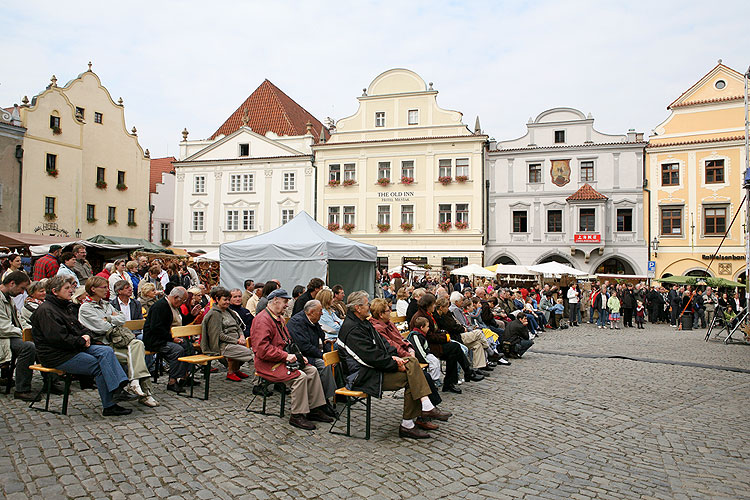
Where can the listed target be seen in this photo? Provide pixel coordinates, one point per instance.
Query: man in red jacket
(268, 337)
(47, 266)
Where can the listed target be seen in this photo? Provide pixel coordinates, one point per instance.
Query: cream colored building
(379, 176)
(83, 171)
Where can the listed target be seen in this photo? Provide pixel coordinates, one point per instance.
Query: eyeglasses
(102, 286)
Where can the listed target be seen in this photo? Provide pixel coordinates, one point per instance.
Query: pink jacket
(267, 340)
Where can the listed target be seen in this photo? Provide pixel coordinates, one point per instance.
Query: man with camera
(278, 359)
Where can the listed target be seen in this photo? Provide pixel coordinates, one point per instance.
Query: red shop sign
(587, 238)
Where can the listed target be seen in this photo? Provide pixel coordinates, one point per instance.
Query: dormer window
(559, 137)
(380, 119)
(244, 149)
(413, 117)
(80, 112)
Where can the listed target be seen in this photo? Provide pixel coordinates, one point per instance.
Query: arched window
(614, 266)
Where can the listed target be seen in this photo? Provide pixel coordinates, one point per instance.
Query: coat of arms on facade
(560, 172)
(725, 269)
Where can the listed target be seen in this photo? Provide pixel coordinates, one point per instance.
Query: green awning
(122, 240)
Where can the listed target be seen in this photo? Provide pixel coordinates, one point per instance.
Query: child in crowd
(640, 313)
(557, 310)
(613, 304)
(418, 339)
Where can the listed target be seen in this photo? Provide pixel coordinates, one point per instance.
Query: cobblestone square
(566, 421)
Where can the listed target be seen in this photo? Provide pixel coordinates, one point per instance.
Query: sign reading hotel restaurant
(395, 195)
(587, 238)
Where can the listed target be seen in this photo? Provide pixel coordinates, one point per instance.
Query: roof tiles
(586, 193)
(159, 166)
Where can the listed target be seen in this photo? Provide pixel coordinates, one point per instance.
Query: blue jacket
(306, 335)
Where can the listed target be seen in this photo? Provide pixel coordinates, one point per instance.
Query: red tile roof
(158, 167)
(586, 192)
(707, 101)
(270, 109)
(696, 141)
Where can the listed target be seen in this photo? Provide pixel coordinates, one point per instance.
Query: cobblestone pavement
(550, 426)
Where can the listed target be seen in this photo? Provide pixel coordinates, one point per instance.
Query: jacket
(306, 335)
(218, 329)
(9, 322)
(268, 337)
(300, 302)
(628, 299)
(613, 304)
(411, 309)
(391, 334)
(365, 354)
(99, 317)
(245, 316)
(420, 345)
(157, 330)
(136, 309)
(83, 271)
(57, 333)
(515, 332)
(436, 338)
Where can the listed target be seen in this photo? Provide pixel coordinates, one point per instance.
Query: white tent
(473, 270)
(556, 269)
(212, 256)
(296, 252)
(508, 269)
(411, 266)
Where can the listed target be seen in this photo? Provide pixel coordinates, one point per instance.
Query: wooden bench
(200, 360)
(352, 398)
(265, 394)
(47, 387)
(135, 324)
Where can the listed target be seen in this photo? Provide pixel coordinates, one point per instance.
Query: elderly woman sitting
(222, 335)
(100, 317)
(37, 293)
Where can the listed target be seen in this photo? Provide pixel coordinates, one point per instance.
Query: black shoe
(299, 420)
(492, 364)
(452, 388)
(116, 410)
(186, 383)
(175, 388)
(319, 415)
(57, 390)
(260, 390)
(120, 395)
(328, 409)
(474, 376)
(26, 396)
(487, 368)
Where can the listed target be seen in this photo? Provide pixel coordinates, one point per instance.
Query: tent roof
(212, 256)
(122, 240)
(556, 268)
(473, 270)
(10, 239)
(302, 238)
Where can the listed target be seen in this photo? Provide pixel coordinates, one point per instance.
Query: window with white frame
(587, 220)
(233, 220)
(535, 173)
(462, 213)
(334, 215)
(407, 214)
(413, 117)
(444, 213)
(287, 214)
(244, 149)
(289, 181)
(334, 172)
(349, 214)
(350, 172)
(248, 220)
(241, 183)
(384, 170)
(520, 221)
(407, 169)
(197, 220)
(164, 231)
(199, 184)
(380, 119)
(624, 220)
(384, 214)
(587, 171)
(445, 168)
(462, 167)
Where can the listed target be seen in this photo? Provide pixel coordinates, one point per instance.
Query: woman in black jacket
(63, 343)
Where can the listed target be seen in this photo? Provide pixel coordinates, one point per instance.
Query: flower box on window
(333, 226)
(101, 184)
(462, 225)
(166, 243)
(122, 187)
(405, 226)
(333, 183)
(444, 226)
(445, 180)
(384, 227)
(407, 180)
(349, 182)
(462, 178)
(56, 130)
(53, 173)
(112, 222)
(384, 181)
(91, 219)
(349, 227)
(50, 216)
(132, 224)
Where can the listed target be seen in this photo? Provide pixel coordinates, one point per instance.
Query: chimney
(632, 135)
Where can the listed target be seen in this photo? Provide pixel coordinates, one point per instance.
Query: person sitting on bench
(157, 336)
(517, 334)
(222, 335)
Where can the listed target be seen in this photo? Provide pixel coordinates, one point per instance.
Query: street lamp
(78, 233)
(655, 245)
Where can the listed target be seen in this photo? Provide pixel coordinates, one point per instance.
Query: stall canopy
(16, 240)
(212, 256)
(473, 270)
(296, 252)
(122, 240)
(556, 269)
(510, 269)
(410, 266)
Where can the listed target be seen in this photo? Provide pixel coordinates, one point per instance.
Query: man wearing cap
(269, 336)
(47, 266)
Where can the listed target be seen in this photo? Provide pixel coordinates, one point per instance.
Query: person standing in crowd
(613, 304)
(313, 287)
(640, 312)
(709, 303)
(131, 268)
(223, 334)
(249, 288)
(573, 298)
(82, 267)
(655, 304)
(67, 263)
(47, 266)
(627, 302)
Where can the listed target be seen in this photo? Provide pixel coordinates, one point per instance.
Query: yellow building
(694, 166)
(83, 172)
(405, 175)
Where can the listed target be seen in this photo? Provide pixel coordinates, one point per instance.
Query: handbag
(119, 337)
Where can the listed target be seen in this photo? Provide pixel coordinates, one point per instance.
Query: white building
(251, 176)
(161, 193)
(567, 193)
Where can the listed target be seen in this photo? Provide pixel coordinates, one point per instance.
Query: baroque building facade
(11, 168)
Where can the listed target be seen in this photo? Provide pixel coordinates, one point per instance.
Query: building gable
(711, 89)
(258, 146)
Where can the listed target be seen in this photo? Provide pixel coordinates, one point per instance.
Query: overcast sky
(192, 63)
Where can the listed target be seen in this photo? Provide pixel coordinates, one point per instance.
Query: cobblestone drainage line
(646, 360)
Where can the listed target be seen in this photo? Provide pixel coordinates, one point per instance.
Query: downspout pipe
(19, 158)
(648, 206)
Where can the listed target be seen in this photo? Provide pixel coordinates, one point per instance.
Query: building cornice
(572, 147)
(385, 142)
(242, 161)
(697, 142)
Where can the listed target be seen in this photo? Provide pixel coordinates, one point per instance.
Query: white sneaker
(134, 387)
(532, 336)
(149, 401)
(503, 361)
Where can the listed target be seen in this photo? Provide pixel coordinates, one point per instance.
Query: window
(54, 122)
(444, 168)
(350, 171)
(413, 117)
(559, 136)
(715, 221)
(120, 177)
(289, 181)
(671, 221)
(720, 84)
(520, 221)
(98, 119)
(349, 215)
(198, 220)
(233, 220)
(241, 183)
(164, 231)
(535, 172)
(90, 212)
(199, 184)
(334, 173)
(111, 215)
(444, 213)
(49, 205)
(670, 174)
(407, 169)
(554, 221)
(287, 214)
(587, 171)
(384, 170)
(248, 220)
(131, 216)
(407, 214)
(244, 149)
(384, 214)
(51, 164)
(99, 174)
(334, 215)
(714, 171)
(80, 112)
(587, 220)
(462, 167)
(380, 119)
(624, 219)
(462, 213)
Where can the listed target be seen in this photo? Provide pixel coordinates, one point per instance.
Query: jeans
(25, 353)
(171, 351)
(573, 312)
(602, 320)
(100, 362)
(522, 346)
